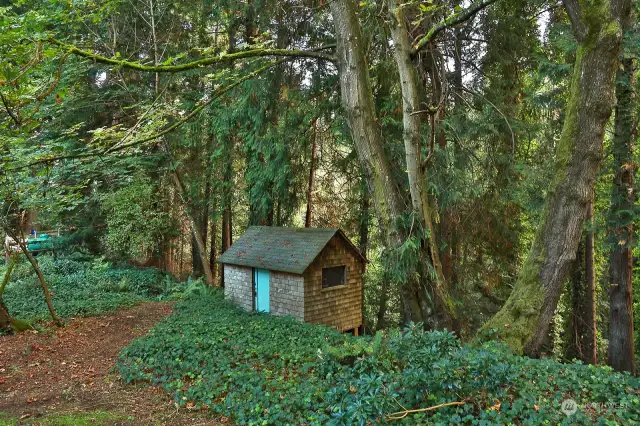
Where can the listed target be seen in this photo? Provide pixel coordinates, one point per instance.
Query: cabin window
(334, 276)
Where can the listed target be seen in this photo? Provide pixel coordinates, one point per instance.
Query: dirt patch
(71, 370)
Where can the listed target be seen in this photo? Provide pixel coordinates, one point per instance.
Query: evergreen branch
(215, 95)
(450, 21)
(506, 120)
(198, 109)
(200, 63)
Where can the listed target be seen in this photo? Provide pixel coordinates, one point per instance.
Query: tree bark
(589, 340)
(358, 104)
(213, 264)
(524, 320)
(195, 228)
(363, 230)
(365, 219)
(6, 321)
(382, 303)
(227, 184)
(201, 216)
(621, 230)
(5, 318)
(197, 268)
(357, 101)
(41, 280)
(581, 337)
(412, 124)
(312, 172)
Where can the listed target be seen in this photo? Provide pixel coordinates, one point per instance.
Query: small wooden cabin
(312, 274)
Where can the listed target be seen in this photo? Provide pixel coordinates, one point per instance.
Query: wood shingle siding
(339, 307)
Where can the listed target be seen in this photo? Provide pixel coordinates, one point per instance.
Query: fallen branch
(402, 414)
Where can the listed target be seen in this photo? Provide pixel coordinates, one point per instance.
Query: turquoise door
(261, 283)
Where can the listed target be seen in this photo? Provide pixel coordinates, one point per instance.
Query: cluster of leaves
(259, 369)
(82, 288)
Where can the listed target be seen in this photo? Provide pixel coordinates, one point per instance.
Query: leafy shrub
(260, 369)
(416, 370)
(135, 222)
(81, 288)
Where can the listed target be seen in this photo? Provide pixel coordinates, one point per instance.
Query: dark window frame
(342, 283)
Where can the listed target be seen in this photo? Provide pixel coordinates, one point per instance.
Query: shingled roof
(281, 249)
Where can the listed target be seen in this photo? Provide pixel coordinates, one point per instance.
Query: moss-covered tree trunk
(621, 232)
(5, 319)
(524, 319)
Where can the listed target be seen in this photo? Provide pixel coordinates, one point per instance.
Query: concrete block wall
(286, 295)
(237, 285)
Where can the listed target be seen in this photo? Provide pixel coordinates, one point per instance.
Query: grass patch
(69, 419)
(259, 369)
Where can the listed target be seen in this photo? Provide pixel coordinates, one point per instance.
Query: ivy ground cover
(82, 287)
(258, 369)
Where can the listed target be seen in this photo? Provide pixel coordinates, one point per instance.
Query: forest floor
(67, 375)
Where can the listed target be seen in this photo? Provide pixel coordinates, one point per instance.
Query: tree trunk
(197, 269)
(589, 340)
(213, 264)
(227, 183)
(365, 219)
(199, 200)
(621, 338)
(5, 319)
(412, 124)
(524, 319)
(312, 172)
(363, 230)
(581, 343)
(357, 101)
(382, 303)
(19, 238)
(195, 228)
(43, 283)
(358, 104)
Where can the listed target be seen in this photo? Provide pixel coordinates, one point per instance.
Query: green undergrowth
(71, 419)
(82, 287)
(259, 369)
